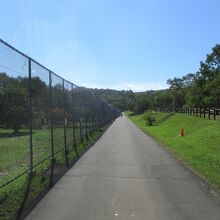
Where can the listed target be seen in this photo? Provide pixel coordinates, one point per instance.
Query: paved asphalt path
(127, 175)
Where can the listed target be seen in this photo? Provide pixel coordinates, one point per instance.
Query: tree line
(120, 99)
(200, 89)
(15, 103)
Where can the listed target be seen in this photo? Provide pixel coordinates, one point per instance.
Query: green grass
(199, 148)
(15, 150)
(14, 159)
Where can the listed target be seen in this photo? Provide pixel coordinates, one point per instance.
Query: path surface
(126, 175)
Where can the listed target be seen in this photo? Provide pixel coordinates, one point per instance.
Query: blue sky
(118, 44)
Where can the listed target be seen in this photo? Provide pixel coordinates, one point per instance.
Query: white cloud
(134, 86)
(139, 87)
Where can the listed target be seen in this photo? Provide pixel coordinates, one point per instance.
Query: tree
(120, 99)
(163, 100)
(209, 78)
(142, 103)
(13, 103)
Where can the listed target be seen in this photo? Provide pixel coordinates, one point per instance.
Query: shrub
(150, 119)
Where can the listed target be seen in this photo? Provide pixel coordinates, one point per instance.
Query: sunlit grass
(199, 148)
(15, 158)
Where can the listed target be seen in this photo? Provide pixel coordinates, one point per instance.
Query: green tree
(13, 103)
(163, 100)
(142, 103)
(209, 78)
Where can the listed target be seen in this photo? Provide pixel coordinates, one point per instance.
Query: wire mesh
(14, 132)
(45, 124)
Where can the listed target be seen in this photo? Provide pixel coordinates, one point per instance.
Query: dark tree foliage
(142, 102)
(13, 103)
(122, 100)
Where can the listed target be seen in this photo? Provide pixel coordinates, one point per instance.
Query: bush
(150, 119)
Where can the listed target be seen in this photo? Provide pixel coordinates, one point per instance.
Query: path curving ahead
(127, 175)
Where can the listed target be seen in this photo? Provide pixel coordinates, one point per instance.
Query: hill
(129, 100)
(199, 148)
(120, 99)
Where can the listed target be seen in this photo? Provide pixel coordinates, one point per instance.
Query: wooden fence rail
(202, 112)
(210, 113)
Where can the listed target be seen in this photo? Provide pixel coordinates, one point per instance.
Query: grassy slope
(199, 148)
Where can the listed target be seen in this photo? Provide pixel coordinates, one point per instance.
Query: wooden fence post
(214, 113)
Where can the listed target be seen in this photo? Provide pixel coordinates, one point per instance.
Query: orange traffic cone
(182, 132)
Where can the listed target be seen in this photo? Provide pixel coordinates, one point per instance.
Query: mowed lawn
(200, 146)
(15, 158)
(15, 151)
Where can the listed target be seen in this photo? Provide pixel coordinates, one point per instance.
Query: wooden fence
(210, 113)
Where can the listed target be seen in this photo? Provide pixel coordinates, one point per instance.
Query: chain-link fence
(46, 123)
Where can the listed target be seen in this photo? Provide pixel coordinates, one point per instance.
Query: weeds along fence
(201, 112)
(46, 122)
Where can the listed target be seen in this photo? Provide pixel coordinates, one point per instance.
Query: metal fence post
(65, 124)
(30, 174)
(86, 116)
(51, 130)
(80, 118)
(73, 119)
